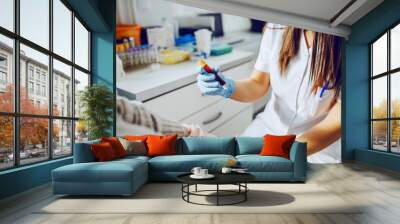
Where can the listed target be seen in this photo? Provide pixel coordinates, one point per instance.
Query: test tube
(126, 44)
(135, 56)
(205, 66)
(145, 54)
(130, 57)
(131, 42)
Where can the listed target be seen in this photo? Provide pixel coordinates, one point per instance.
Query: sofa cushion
(113, 171)
(103, 152)
(136, 137)
(249, 145)
(206, 145)
(185, 163)
(116, 145)
(134, 147)
(277, 145)
(159, 145)
(257, 163)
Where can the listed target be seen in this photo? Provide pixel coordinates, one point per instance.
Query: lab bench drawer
(235, 126)
(181, 103)
(215, 115)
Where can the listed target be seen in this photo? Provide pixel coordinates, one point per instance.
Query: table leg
(245, 193)
(188, 190)
(217, 194)
(182, 190)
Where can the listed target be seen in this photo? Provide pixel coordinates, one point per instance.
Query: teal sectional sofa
(125, 176)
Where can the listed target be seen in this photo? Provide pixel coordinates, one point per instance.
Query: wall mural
(260, 78)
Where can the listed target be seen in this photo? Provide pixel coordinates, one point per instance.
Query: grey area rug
(166, 198)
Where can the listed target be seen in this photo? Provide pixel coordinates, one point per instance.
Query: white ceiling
(321, 9)
(328, 16)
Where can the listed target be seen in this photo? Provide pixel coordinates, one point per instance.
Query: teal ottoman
(118, 177)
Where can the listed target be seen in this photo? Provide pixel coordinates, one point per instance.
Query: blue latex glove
(209, 86)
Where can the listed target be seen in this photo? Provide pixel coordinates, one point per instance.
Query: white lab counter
(144, 84)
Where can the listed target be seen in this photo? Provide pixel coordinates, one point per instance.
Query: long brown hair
(325, 58)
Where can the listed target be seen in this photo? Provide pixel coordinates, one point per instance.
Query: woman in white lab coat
(302, 69)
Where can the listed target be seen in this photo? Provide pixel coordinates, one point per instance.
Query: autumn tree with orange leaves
(33, 131)
(380, 127)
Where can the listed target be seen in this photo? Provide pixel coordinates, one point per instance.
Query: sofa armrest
(83, 152)
(298, 155)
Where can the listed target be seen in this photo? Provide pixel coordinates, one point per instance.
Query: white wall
(151, 12)
(234, 23)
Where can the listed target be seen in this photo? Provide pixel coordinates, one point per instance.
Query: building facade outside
(34, 82)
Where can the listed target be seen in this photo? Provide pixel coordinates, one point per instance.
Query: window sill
(382, 159)
(30, 166)
(382, 152)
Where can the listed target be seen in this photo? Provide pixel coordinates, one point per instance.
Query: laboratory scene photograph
(199, 111)
(262, 79)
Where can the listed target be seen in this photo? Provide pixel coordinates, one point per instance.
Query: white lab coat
(292, 108)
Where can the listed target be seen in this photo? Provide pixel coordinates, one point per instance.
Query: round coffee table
(238, 179)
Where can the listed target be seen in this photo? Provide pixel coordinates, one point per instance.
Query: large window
(44, 64)
(385, 91)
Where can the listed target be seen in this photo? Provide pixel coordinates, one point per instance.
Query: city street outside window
(45, 131)
(385, 92)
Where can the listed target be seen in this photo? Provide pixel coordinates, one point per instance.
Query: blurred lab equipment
(203, 41)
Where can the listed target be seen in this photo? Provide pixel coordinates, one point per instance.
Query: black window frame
(388, 74)
(16, 115)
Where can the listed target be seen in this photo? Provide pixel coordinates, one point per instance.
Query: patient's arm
(134, 118)
(325, 132)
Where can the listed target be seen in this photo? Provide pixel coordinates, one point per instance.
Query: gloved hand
(209, 86)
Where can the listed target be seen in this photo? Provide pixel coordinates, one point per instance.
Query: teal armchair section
(83, 152)
(298, 155)
(272, 168)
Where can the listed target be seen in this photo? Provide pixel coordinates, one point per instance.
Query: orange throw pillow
(161, 145)
(116, 145)
(136, 137)
(103, 152)
(277, 145)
